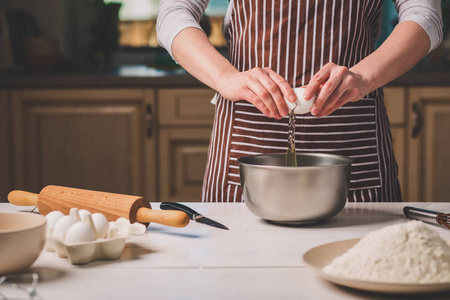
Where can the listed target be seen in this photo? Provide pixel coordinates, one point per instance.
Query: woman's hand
(260, 86)
(334, 85)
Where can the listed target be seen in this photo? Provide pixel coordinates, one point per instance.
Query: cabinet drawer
(185, 106)
(182, 159)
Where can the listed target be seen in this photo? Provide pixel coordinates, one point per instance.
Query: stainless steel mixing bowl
(315, 190)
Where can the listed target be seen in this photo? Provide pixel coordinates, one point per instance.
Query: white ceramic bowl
(22, 237)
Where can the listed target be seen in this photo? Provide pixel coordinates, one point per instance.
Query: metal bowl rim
(345, 158)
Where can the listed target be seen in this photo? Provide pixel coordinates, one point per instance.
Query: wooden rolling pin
(113, 206)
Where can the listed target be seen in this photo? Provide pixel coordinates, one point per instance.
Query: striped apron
(296, 38)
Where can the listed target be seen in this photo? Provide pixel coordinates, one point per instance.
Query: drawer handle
(149, 121)
(416, 119)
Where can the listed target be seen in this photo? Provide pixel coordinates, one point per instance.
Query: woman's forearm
(193, 51)
(403, 49)
(336, 85)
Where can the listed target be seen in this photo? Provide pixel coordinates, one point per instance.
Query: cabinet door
(185, 119)
(183, 154)
(429, 144)
(91, 139)
(394, 100)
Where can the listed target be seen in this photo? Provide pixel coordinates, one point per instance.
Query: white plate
(319, 257)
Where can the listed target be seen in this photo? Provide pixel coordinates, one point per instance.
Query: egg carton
(83, 237)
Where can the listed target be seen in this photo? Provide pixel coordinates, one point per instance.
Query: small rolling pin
(113, 206)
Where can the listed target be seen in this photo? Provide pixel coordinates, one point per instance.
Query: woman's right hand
(262, 87)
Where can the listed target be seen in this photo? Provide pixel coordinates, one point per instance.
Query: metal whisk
(428, 216)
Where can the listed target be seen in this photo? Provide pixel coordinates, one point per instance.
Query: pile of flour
(401, 253)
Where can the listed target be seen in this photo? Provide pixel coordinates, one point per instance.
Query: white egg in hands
(301, 106)
(80, 232)
(61, 227)
(52, 218)
(101, 225)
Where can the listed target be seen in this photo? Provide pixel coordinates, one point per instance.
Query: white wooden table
(253, 260)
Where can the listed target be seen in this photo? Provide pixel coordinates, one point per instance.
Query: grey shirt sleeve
(426, 13)
(174, 16)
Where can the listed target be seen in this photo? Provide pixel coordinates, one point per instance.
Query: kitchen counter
(140, 76)
(253, 260)
(133, 76)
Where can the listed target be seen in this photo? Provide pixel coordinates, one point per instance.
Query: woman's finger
(332, 99)
(317, 81)
(345, 98)
(250, 96)
(275, 91)
(336, 77)
(331, 106)
(283, 85)
(265, 96)
(351, 94)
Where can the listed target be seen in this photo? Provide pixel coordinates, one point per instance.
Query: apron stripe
(332, 31)
(255, 46)
(305, 42)
(228, 114)
(296, 55)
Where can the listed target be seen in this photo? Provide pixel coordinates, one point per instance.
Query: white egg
(122, 222)
(61, 227)
(82, 213)
(137, 229)
(52, 219)
(101, 225)
(301, 106)
(80, 232)
(74, 214)
(121, 227)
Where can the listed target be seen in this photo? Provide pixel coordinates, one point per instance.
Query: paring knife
(193, 215)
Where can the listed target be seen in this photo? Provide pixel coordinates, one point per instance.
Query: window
(138, 22)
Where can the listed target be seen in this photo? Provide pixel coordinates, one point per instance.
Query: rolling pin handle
(167, 217)
(22, 198)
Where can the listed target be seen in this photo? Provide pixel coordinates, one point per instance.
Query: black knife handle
(178, 206)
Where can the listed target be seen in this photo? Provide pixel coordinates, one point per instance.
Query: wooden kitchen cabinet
(131, 141)
(429, 144)
(92, 139)
(185, 118)
(154, 142)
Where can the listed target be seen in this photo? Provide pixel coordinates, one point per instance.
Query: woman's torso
(296, 39)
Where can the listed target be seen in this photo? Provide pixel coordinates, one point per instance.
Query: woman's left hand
(334, 86)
